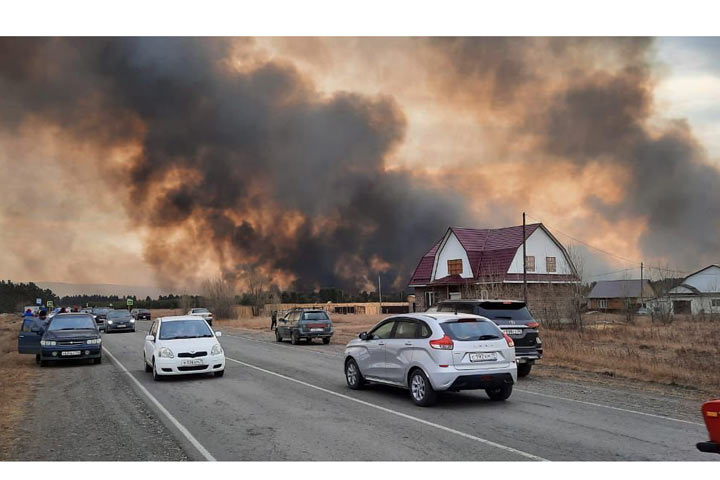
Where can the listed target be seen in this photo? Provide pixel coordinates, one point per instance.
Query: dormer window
(455, 267)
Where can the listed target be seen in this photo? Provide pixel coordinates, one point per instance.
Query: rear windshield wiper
(488, 337)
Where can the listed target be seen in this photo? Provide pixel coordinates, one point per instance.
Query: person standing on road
(273, 320)
(28, 313)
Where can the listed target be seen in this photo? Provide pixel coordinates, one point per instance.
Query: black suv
(513, 318)
(308, 324)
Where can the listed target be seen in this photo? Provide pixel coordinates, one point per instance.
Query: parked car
(711, 415)
(100, 316)
(140, 314)
(70, 336)
(513, 318)
(119, 320)
(202, 312)
(183, 345)
(300, 324)
(428, 353)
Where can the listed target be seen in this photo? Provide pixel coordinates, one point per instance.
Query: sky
(318, 162)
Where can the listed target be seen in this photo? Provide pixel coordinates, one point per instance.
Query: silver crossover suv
(431, 352)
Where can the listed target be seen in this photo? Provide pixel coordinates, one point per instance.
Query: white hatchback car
(432, 352)
(183, 345)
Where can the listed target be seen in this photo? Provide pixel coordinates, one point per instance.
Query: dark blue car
(67, 336)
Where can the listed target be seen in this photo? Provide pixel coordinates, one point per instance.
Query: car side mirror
(149, 338)
(364, 336)
(218, 334)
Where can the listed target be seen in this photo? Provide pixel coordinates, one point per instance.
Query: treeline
(14, 296)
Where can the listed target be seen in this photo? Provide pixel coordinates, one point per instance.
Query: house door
(681, 306)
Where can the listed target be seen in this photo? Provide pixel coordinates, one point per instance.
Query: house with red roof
(488, 263)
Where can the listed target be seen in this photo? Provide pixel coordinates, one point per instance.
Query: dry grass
(684, 353)
(18, 373)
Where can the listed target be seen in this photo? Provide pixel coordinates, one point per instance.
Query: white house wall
(706, 281)
(540, 245)
(451, 250)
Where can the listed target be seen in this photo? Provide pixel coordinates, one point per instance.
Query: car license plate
(513, 331)
(70, 353)
(316, 329)
(192, 362)
(483, 357)
(121, 326)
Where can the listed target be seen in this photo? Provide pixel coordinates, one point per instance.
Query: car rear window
(504, 311)
(315, 316)
(468, 329)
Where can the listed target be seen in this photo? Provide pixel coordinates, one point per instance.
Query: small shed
(620, 295)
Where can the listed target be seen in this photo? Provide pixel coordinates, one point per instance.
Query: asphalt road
(285, 402)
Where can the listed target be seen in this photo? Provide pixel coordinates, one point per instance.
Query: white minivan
(183, 345)
(431, 352)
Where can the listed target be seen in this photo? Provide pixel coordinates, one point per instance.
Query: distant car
(140, 313)
(300, 324)
(202, 312)
(100, 315)
(183, 345)
(70, 336)
(119, 320)
(431, 352)
(513, 318)
(711, 415)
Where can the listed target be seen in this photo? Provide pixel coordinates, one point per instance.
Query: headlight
(165, 353)
(216, 349)
(132, 320)
(48, 343)
(109, 322)
(94, 341)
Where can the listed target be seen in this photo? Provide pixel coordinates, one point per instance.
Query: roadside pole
(524, 264)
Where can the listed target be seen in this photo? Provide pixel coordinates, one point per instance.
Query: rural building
(620, 295)
(698, 293)
(488, 263)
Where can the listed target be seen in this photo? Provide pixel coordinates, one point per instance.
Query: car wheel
(37, 359)
(294, 339)
(220, 373)
(278, 337)
(421, 392)
(97, 361)
(156, 376)
(43, 363)
(309, 340)
(148, 368)
(353, 376)
(498, 394)
(523, 369)
(326, 340)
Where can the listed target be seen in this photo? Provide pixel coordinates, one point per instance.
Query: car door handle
(381, 343)
(408, 343)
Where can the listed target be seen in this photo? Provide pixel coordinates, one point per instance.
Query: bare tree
(219, 294)
(257, 282)
(661, 309)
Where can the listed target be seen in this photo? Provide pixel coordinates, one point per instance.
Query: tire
(278, 337)
(523, 369)
(148, 368)
(326, 340)
(155, 374)
(353, 376)
(220, 373)
(421, 392)
(37, 358)
(294, 339)
(43, 363)
(309, 340)
(499, 394)
(97, 361)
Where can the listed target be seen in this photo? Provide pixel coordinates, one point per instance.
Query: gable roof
(490, 251)
(621, 289)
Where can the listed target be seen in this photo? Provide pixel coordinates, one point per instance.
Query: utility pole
(641, 284)
(380, 293)
(524, 264)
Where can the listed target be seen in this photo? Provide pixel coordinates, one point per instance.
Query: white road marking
(394, 412)
(610, 407)
(186, 433)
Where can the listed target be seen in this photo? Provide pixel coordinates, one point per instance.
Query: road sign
(129, 302)
(38, 301)
(50, 303)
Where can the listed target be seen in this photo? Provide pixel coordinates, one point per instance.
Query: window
(530, 263)
(425, 331)
(383, 331)
(455, 267)
(429, 299)
(716, 302)
(549, 264)
(603, 303)
(405, 329)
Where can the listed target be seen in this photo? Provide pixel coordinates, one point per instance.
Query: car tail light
(509, 340)
(445, 343)
(533, 325)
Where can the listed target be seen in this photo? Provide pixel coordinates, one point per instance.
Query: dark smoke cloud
(222, 146)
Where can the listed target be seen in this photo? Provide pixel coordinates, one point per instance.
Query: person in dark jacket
(28, 313)
(273, 320)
